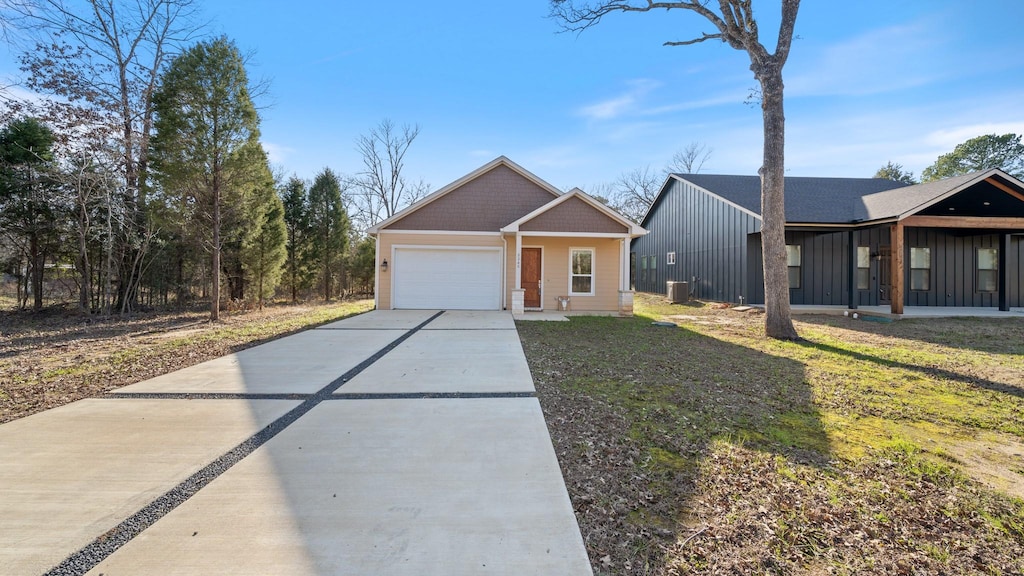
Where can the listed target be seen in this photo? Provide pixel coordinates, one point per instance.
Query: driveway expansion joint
(92, 554)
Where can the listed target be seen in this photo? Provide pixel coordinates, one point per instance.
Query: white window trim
(670, 259)
(593, 270)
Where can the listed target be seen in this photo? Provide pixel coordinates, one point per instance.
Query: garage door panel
(448, 279)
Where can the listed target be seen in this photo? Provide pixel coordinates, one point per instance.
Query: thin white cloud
(876, 62)
(948, 138)
(276, 153)
(620, 105)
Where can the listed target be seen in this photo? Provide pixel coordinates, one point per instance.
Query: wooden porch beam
(896, 239)
(1005, 188)
(963, 222)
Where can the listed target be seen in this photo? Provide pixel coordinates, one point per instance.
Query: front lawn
(869, 448)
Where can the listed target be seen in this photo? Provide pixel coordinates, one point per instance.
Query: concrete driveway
(395, 442)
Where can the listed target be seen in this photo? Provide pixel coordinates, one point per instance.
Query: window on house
(654, 262)
(793, 261)
(863, 267)
(988, 270)
(920, 268)
(643, 262)
(670, 259)
(581, 272)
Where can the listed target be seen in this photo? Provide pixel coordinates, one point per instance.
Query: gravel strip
(88, 557)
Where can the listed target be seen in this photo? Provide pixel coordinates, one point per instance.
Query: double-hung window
(988, 270)
(863, 267)
(581, 272)
(920, 269)
(793, 262)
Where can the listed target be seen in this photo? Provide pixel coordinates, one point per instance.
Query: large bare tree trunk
(778, 323)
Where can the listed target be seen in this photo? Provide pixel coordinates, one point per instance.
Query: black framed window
(863, 267)
(988, 270)
(920, 269)
(793, 261)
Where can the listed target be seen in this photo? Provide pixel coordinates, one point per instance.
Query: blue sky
(867, 82)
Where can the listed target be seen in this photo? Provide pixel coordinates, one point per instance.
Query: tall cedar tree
(206, 147)
(736, 26)
(26, 194)
(263, 252)
(328, 224)
(297, 243)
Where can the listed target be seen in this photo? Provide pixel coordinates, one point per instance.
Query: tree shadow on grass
(931, 371)
(994, 335)
(637, 410)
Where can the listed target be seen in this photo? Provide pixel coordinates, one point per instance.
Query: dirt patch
(997, 460)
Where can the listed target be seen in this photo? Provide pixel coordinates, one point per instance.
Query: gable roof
(861, 200)
(910, 200)
(575, 211)
(479, 201)
(808, 199)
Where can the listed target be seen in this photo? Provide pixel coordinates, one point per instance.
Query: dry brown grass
(708, 449)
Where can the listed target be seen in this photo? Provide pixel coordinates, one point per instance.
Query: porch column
(1004, 281)
(624, 266)
(625, 294)
(851, 272)
(896, 233)
(518, 294)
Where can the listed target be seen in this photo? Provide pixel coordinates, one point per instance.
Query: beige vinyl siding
(389, 239)
(555, 271)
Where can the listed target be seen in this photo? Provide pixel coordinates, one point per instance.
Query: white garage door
(447, 279)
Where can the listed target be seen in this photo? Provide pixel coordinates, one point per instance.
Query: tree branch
(703, 38)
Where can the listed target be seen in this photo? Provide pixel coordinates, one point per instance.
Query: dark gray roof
(808, 199)
(893, 203)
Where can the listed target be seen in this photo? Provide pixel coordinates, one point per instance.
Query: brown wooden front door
(530, 280)
(885, 275)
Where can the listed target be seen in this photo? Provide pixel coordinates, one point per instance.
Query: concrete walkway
(395, 442)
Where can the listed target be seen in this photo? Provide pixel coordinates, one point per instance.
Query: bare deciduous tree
(689, 160)
(735, 25)
(106, 56)
(633, 192)
(381, 189)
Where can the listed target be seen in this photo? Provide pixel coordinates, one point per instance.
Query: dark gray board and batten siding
(708, 236)
(825, 269)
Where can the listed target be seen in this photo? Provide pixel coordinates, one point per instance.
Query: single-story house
(501, 238)
(850, 241)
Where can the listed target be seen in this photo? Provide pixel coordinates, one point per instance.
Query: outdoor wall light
(384, 265)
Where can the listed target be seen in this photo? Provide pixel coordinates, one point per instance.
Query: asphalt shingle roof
(814, 200)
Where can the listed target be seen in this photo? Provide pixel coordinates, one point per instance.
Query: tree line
(139, 178)
(1004, 151)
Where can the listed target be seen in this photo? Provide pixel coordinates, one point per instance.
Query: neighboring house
(501, 238)
(850, 241)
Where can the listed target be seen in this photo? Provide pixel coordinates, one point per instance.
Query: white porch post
(518, 294)
(625, 294)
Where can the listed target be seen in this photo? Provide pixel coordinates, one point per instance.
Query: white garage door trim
(446, 277)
